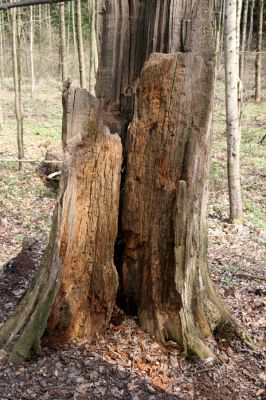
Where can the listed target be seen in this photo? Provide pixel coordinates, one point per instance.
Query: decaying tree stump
(77, 273)
(164, 272)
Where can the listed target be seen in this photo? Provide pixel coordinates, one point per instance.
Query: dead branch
(251, 276)
(6, 160)
(26, 3)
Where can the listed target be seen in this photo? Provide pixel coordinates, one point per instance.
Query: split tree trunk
(258, 54)
(162, 263)
(78, 265)
(232, 109)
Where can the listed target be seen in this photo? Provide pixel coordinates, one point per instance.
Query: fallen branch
(251, 276)
(25, 3)
(262, 140)
(54, 175)
(6, 160)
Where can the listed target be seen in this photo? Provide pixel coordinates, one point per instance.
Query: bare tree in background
(17, 80)
(243, 39)
(31, 51)
(251, 24)
(93, 52)
(80, 45)
(231, 41)
(258, 54)
(62, 41)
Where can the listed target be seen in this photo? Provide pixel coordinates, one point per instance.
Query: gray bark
(258, 54)
(231, 41)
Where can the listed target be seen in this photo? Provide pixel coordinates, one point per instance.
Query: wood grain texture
(88, 280)
(130, 30)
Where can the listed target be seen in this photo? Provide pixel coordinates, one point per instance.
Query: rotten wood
(77, 276)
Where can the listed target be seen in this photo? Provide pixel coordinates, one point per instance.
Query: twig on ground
(251, 276)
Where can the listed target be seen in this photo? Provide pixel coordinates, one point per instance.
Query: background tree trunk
(62, 41)
(93, 51)
(17, 83)
(251, 24)
(79, 256)
(31, 51)
(80, 45)
(258, 54)
(243, 39)
(232, 110)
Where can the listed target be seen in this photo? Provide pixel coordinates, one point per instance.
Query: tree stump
(77, 277)
(164, 271)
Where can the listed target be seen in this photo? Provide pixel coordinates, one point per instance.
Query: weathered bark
(165, 276)
(243, 39)
(232, 90)
(78, 265)
(17, 82)
(82, 78)
(62, 26)
(258, 54)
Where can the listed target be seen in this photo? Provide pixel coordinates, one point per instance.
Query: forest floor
(127, 363)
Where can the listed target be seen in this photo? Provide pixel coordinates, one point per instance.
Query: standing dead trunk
(243, 39)
(167, 104)
(258, 54)
(164, 213)
(80, 45)
(232, 110)
(62, 41)
(17, 82)
(78, 264)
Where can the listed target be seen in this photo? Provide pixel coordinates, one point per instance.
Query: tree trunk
(218, 30)
(63, 41)
(93, 51)
(31, 52)
(258, 54)
(2, 74)
(243, 39)
(80, 45)
(162, 263)
(17, 83)
(40, 27)
(165, 275)
(78, 265)
(232, 110)
(251, 25)
(74, 28)
(49, 27)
